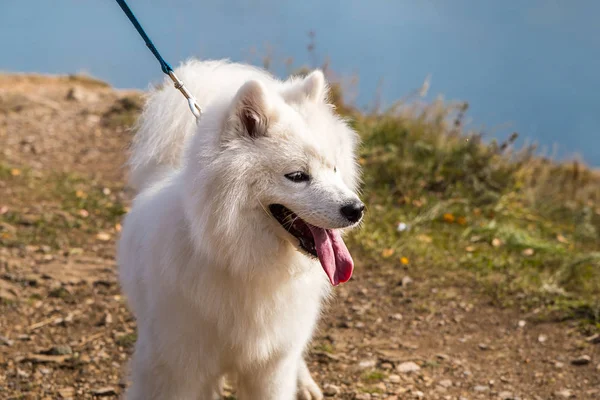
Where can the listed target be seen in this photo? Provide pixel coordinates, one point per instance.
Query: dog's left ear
(312, 87)
(251, 110)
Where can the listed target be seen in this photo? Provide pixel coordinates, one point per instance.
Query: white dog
(234, 240)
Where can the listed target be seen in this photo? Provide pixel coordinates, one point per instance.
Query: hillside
(478, 266)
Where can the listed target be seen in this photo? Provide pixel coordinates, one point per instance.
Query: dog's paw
(309, 390)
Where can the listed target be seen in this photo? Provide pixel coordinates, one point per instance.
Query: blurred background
(528, 67)
(477, 263)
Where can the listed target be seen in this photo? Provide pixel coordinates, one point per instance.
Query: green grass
(373, 376)
(526, 229)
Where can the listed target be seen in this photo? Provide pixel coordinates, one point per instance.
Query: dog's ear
(251, 110)
(312, 87)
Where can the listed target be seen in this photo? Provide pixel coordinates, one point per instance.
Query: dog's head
(294, 160)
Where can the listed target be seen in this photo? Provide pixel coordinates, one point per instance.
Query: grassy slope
(525, 228)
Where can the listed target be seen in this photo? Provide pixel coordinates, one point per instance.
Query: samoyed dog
(234, 239)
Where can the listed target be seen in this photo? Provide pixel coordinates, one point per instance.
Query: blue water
(527, 66)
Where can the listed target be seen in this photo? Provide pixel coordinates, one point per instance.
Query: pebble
(367, 364)
(594, 339)
(481, 388)
(394, 378)
(583, 360)
(66, 393)
(446, 383)
(565, 394)
(59, 350)
(397, 317)
(407, 367)
(362, 396)
(6, 341)
(330, 390)
(506, 396)
(105, 391)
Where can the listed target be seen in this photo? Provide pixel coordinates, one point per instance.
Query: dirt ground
(393, 332)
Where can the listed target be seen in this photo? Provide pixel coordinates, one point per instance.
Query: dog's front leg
(275, 381)
(307, 387)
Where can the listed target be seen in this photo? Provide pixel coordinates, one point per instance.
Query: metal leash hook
(164, 66)
(194, 107)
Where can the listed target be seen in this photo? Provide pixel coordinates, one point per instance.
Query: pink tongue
(333, 254)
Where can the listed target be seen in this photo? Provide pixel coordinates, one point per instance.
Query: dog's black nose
(353, 211)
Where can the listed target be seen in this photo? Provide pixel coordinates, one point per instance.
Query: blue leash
(164, 66)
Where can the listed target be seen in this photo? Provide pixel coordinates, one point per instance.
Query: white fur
(216, 284)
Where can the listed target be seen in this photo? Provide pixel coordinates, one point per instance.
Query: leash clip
(194, 107)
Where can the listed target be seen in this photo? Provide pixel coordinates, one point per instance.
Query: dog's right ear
(251, 110)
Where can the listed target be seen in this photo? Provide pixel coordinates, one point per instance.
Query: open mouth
(325, 244)
(296, 227)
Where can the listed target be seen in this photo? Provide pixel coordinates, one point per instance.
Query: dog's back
(162, 131)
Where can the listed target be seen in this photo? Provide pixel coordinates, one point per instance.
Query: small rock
(528, 252)
(75, 94)
(105, 391)
(418, 394)
(103, 236)
(594, 339)
(559, 364)
(80, 95)
(446, 383)
(362, 396)
(583, 360)
(401, 227)
(481, 388)
(59, 350)
(407, 280)
(330, 390)
(397, 317)
(394, 378)
(483, 346)
(106, 320)
(542, 338)
(66, 393)
(8, 291)
(367, 364)
(6, 341)
(564, 394)
(22, 374)
(522, 324)
(407, 367)
(387, 365)
(506, 396)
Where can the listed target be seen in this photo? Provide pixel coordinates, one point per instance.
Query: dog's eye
(298, 176)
